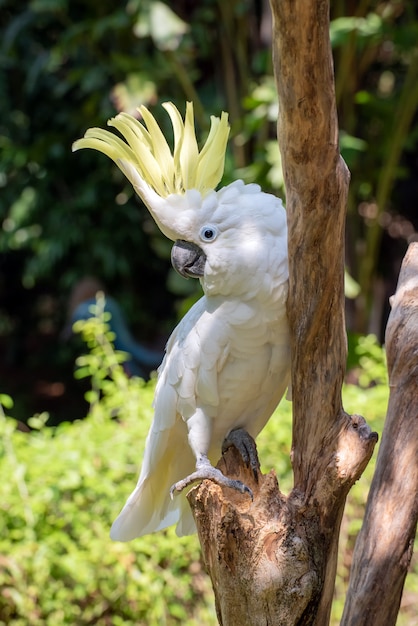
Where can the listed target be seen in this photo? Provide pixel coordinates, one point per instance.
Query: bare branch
(316, 190)
(384, 546)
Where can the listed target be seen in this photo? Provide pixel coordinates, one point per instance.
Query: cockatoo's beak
(188, 259)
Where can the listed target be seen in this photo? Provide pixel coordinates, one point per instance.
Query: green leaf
(166, 27)
(6, 401)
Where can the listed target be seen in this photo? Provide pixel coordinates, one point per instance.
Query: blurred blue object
(141, 360)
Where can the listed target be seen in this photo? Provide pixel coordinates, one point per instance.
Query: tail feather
(149, 507)
(142, 514)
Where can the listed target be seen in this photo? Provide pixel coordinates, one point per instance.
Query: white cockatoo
(227, 363)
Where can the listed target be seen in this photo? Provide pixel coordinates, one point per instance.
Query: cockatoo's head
(220, 237)
(234, 240)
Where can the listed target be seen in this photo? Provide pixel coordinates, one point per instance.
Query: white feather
(227, 362)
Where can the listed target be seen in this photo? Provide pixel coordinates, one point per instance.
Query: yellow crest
(148, 152)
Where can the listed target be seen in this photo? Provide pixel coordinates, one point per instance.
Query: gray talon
(205, 471)
(245, 444)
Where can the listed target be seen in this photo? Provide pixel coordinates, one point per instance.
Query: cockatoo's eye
(208, 233)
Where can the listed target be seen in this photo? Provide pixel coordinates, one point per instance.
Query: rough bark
(384, 546)
(273, 560)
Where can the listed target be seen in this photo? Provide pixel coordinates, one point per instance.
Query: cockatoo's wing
(189, 371)
(149, 507)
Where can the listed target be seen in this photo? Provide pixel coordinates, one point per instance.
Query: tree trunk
(384, 546)
(273, 560)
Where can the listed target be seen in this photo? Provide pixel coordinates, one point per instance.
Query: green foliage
(112, 394)
(66, 67)
(372, 361)
(366, 361)
(61, 489)
(376, 76)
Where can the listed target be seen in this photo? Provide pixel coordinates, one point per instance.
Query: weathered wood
(266, 557)
(257, 552)
(316, 181)
(273, 561)
(384, 546)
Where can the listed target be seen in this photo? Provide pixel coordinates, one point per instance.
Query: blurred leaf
(135, 91)
(274, 159)
(161, 23)
(363, 27)
(351, 287)
(350, 147)
(6, 401)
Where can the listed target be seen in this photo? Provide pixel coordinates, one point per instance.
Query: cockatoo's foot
(206, 471)
(245, 444)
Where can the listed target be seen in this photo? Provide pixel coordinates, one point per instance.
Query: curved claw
(246, 446)
(208, 472)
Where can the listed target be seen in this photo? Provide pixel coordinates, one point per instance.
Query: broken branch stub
(267, 556)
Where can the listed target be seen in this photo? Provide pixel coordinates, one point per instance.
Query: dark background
(67, 65)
